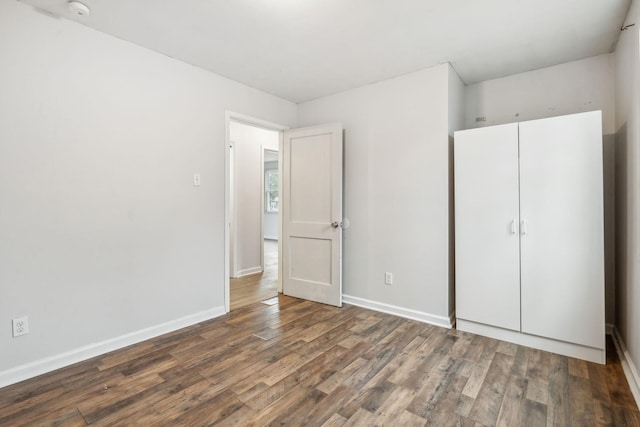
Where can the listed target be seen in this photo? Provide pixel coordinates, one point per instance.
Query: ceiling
(304, 49)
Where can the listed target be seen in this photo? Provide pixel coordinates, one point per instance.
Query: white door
(486, 218)
(562, 242)
(312, 213)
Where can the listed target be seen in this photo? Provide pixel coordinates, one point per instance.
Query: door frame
(259, 123)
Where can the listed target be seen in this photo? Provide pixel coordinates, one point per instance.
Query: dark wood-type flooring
(260, 286)
(294, 362)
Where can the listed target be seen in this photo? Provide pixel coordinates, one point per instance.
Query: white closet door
(486, 214)
(563, 248)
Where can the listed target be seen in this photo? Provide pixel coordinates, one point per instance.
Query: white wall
(577, 86)
(249, 142)
(101, 231)
(396, 188)
(574, 87)
(271, 218)
(628, 188)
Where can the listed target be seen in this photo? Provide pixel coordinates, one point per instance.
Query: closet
(529, 239)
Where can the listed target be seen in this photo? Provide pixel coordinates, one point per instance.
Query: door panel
(310, 159)
(312, 202)
(487, 215)
(310, 260)
(563, 249)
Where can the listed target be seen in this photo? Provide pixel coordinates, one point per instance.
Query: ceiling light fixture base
(78, 8)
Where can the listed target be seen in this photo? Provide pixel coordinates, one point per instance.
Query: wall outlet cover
(20, 326)
(388, 278)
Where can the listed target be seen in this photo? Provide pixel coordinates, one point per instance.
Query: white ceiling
(304, 49)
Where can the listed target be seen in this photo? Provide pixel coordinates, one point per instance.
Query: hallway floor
(260, 286)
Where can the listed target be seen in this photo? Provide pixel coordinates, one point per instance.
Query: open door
(312, 213)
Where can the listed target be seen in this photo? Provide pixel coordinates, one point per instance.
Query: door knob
(335, 224)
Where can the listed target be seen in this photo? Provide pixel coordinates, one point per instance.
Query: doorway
(310, 226)
(253, 236)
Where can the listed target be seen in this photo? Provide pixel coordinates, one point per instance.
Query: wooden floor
(260, 286)
(294, 362)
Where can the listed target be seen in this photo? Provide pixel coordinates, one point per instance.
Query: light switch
(196, 179)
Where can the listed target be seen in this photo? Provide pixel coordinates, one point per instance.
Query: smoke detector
(78, 8)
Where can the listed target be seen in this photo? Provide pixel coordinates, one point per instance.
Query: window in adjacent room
(271, 190)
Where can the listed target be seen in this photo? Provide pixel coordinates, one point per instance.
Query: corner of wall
(455, 109)
(456, 100)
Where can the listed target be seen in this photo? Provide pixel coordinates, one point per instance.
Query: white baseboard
(42, 366)
(629, 368)
(445, 322)
(248, 271)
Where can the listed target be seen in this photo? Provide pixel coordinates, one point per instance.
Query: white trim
(445, 322)
(232, 210)
(596, 355)
(630, 370)
(248, 271)
(280, 213)
(42, 366)
(262, 195)
(252, 121)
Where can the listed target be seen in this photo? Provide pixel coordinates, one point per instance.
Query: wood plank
(582, 411)
(597, 375)
(323, 412)
(602, 413)
(161, 407)
(512, 408)
(205, 409)
(489, 401)
(397, 402)
(538, 366)
(362, 417)
(538, 391)
(535, 414)
(445, 406)
(559, 402)
(336, 420)
(578, 368)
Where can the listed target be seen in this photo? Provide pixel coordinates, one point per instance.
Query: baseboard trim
(630, 370)
(248, 271)
(42, 366)
(420, 316)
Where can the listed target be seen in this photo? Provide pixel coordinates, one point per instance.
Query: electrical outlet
(20, 326)
(196, 180)
(388, 278)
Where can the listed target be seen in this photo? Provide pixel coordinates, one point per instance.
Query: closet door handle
(523, 226)
(513, 227)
